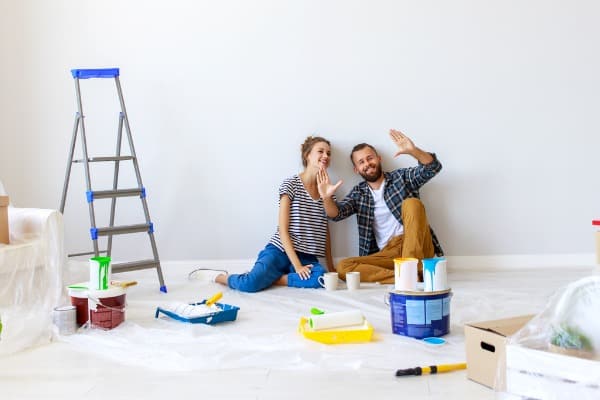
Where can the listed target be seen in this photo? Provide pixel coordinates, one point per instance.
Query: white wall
(220, 94)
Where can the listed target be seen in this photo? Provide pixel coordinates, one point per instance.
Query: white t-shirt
(385, 225)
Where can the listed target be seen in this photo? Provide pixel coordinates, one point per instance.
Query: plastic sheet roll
(336, 320)
(31, 277)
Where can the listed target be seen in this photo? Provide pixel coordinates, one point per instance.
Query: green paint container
(100, 272)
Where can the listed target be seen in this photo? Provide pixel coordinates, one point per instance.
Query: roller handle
(214, 299)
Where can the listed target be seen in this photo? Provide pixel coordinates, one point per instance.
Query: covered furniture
(31, 268)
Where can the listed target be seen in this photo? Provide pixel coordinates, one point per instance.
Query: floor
(261, 355)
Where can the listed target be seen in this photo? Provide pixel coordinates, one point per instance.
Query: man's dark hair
(359, 147)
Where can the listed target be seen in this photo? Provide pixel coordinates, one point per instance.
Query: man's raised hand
(403, 142)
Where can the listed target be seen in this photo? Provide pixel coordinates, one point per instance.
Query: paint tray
(227, 313)
(353, 334)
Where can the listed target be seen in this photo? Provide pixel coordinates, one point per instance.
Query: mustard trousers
(415, 242)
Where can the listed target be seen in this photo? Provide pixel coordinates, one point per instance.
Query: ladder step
(88, 253)
(109, 194)
(135, 265)
(120, 230)
(95, 73)
(104, 159)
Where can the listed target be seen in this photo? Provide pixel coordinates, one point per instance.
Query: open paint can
(100, 272)
(420, 314)
(103, 308)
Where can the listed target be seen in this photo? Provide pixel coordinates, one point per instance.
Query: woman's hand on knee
(304, 271)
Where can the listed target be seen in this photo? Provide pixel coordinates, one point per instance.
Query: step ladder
(116, 192)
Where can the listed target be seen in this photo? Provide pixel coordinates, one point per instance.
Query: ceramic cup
(329, 280)
(353, 280)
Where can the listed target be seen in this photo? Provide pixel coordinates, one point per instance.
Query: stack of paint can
(420, 313)
(99, 302)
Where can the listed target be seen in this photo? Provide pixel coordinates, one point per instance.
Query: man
(391, 219)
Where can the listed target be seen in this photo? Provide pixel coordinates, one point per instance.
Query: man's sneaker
(205, 274)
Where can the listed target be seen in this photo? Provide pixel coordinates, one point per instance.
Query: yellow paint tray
(354, 334)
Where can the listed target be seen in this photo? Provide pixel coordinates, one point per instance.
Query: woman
(290, 257)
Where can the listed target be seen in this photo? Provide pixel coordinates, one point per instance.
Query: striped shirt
(308, 221)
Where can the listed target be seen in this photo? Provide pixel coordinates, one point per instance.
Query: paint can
(596, 224)
(65, 319)
(435, 274)
(420, 314)
(405, 273)
(100, 272)
(79, 299)
(107, 307)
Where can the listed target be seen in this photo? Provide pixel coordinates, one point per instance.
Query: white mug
(329, 280)
(353, 280)
(405, 274)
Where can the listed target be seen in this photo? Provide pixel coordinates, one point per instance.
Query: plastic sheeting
(557, 353)
(30, 277)
(265, 333)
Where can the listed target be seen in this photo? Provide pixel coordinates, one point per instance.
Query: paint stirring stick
(432, 369)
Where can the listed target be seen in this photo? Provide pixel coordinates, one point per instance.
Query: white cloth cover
(30, 277)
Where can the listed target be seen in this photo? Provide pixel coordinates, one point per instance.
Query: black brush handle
(409, 371)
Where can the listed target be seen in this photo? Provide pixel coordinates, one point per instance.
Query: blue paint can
(420, 314)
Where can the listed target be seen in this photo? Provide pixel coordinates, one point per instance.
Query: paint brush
(432, 369)
(124, 285)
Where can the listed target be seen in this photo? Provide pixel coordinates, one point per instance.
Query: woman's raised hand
(326, 189)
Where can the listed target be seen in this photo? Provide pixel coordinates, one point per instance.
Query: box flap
(504, 327)
(4, 201)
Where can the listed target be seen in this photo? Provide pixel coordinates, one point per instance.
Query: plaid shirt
(400, 184)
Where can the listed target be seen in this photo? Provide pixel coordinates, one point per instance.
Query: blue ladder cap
(94, 233)
(151, 227)
(90, 196)
(95, 73)
(164, 290)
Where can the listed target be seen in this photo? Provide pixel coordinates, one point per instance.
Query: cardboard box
(543, 374)
(4, 219)
(485, 345)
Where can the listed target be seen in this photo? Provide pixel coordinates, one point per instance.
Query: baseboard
(490, 262)
(521, 261)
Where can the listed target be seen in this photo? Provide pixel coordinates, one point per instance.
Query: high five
(391, 219)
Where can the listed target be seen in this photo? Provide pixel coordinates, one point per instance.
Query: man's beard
(374, 176)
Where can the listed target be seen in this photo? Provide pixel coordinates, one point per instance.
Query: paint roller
(336, 320)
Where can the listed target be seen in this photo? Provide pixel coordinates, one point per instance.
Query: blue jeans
(271, 265)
